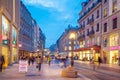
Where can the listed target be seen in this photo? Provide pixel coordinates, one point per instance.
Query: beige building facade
(111, 31)
(89, 33)
(9, 27)
(99, 31)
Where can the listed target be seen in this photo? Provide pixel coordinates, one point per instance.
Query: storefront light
(14, 42)
(5, 42)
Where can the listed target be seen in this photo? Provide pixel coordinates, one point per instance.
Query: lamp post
(72, 39)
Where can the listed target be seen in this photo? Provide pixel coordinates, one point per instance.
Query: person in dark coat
(99, 61)
(2, 61)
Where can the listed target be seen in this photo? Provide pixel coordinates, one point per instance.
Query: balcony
(91, 33)
(91, 21)
(89, 9)
(81, 37)
(82, 27)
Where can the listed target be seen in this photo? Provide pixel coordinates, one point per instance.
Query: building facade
(111, 31)
(39, 39)
(26, 33)
(9, 28)
(99, 31)
(64, 44)
(89, 34)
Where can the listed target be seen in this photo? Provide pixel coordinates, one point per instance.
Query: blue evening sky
(54, 16)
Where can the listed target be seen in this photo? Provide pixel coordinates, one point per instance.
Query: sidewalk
(52, 72)
(113, 66)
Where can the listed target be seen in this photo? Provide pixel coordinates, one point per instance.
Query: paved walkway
(114, 66)
(52, 72)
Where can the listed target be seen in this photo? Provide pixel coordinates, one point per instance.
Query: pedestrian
(99, 61)
(32, 59)
(49, 60)
(93, 63)
(2, 61)
(29, 60)
(39, 61)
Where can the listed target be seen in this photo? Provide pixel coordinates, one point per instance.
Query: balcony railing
(92, 32)
(89, 9)
(82, 27)
(81, 36)
(91, 20)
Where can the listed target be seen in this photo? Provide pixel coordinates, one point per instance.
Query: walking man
(39, 61)
(2, 61)
(49, 60)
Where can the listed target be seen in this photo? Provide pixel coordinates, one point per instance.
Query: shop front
(6, 54)
(114, 54)
(14, 55)
(6, 40)
(14, 45)
(114, 48)
(85, 54)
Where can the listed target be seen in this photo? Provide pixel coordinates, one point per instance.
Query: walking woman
(39, 61)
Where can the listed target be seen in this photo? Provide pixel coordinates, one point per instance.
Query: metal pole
(72, 46)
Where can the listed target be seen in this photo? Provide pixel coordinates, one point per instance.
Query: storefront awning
(88, 48)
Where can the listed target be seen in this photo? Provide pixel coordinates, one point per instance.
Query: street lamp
(72, 37)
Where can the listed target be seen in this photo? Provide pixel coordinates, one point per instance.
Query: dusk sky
(54, 16)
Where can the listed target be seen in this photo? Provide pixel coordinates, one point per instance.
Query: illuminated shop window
(14, 35)
(5, 30)
(114, 40)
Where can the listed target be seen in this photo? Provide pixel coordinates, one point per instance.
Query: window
(70, 48)
(69, 42)
(105, 12)
(105, 1)
(97, 27)
(97, 13)
(114, 40)
(92, 16)
(114, 23)
(87, 31)
(88, 21)
(114, 6)
(105, 27)
(105, 41)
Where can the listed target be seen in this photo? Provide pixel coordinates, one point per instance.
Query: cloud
(45, 3)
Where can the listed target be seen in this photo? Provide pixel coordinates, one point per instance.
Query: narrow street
(102, 73)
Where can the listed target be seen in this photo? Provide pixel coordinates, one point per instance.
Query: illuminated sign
(115, 48)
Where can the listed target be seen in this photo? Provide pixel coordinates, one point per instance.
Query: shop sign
(115, 48)
(23, 66)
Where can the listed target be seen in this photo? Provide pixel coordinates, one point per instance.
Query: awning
(95, 47)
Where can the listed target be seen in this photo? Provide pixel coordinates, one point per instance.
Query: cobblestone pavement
(52, 72)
